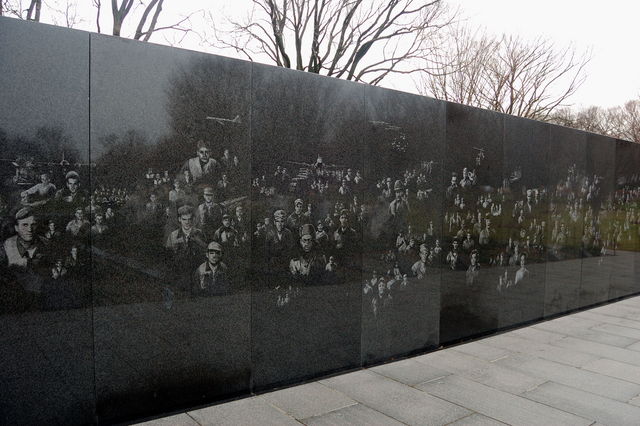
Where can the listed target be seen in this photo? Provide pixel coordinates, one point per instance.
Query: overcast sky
(610, 29)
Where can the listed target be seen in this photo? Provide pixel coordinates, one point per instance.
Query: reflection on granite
(401, 273)
(46, 344)
(307, 191)
(170, 143)
(473, 251)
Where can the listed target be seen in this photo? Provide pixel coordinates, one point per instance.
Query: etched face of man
(344, 220)
(306, 242)
(26, 228)
(73, 183)
(474, 258)
(203, 154)
(279, 224)
(214, 254)
(79, 214)
(186, 221)
(44, 178)
(208, 196)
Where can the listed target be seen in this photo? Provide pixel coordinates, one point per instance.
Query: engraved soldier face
(279, 224)
(186, 221)
(307, 243)
(52, 226)
(73, 184)
(26, 228)
(344, 220)
(44, 178)
(79, 214)
(214, 256)
(203, 154)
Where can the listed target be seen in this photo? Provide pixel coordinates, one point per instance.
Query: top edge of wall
(283, 69)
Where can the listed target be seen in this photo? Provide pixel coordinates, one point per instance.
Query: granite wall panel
(171, 148)
(401, 209)
(46, 344)
(597, 212)
(472, 239)
(567, 156)
(523, 221)
(307, 186)
(622, 231)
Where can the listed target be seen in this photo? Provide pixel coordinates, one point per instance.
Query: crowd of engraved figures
(316, 238)
(48, 229)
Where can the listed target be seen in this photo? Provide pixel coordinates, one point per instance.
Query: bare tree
(17, 9)
(351, 39)
(505, 74)
(619, 122)
(147, 22)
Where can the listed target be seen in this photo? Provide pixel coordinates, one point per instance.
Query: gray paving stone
(568, 325)
(620, 370)
(247, 412)
(354, 415)
(478, 370)
(177, 420)
(538, 335)
(620, 330)
(605, 338)
(634, 347)
(401, 402)
(586, 404)
(410, 371)
(608, 319)
(620, 311)
(308, 400)
(571, 376)
(502, 406)
(599, 350)
(563, 355)
(482, 351)
(476, 420)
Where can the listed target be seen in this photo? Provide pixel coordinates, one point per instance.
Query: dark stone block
(172, 324)
(567, 159)
(472, 239)
(401, 272)
(523, 222)
(307, 134)
(46, 345)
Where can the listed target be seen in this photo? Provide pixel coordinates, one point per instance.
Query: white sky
(610, 28)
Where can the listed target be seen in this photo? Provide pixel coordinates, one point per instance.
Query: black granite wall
(180, 228)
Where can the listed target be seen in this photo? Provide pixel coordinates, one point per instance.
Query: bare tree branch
(506, 74)
(351, 39)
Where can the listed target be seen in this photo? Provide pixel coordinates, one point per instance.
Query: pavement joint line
(498, 359)
(560, 409)
(192, 418)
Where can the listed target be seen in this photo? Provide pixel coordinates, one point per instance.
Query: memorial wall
(180, 228)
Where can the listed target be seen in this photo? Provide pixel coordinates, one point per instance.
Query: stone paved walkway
(580, 369)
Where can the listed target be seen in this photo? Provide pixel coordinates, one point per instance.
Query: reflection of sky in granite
(46, 85)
